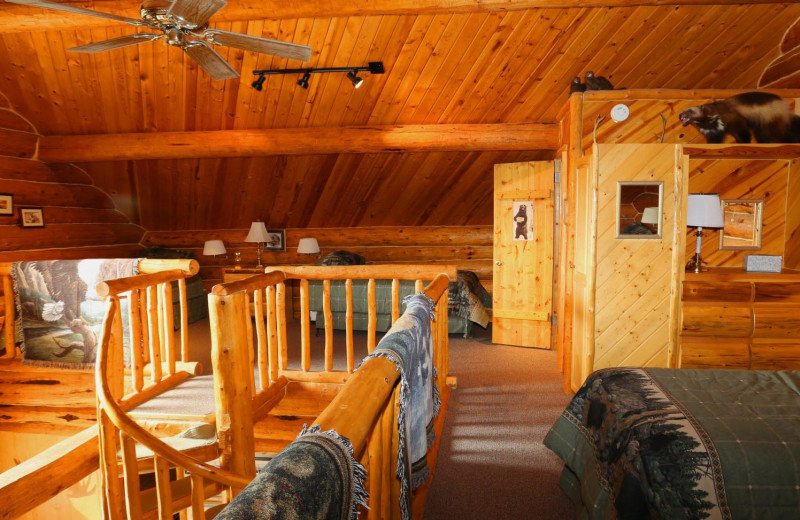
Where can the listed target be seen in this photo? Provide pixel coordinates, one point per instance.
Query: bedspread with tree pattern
(682, 444)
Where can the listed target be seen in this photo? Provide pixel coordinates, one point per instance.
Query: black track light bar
(374, 67)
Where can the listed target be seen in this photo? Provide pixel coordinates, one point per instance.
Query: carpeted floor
(492, 463)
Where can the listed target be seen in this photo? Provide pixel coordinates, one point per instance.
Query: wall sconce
(704, 211)
(258, 234)
(214, 248)
(308, 246)
(374, 67)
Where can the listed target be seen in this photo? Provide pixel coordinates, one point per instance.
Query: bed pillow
(341, 258)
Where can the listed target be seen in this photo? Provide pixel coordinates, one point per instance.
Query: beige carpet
(492, 463)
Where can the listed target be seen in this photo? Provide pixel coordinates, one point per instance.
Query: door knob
(498, 262)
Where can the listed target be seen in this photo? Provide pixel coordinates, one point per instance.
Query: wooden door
(523, 254)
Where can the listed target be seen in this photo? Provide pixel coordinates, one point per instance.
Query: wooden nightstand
(231, 275)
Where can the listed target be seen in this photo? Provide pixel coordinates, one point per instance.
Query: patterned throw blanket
(316, 476)
(59, 313)
(682, 444)
(409, 344)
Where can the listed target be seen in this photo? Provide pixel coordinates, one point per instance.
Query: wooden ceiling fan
(184, 24)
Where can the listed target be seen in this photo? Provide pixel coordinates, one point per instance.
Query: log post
(230, 357)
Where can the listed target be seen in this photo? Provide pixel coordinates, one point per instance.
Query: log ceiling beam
(17, 18)
(299, 141)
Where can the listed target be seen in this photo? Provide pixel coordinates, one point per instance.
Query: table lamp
(214, 248)
(258, 234)
(650, 216)
(703, 211)
(308, 246)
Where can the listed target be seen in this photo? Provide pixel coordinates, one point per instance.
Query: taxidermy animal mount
(597, 82)
(183, 24)
(576, 85)
(767, 116)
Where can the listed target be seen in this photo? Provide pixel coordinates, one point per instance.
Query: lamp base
(695, 265)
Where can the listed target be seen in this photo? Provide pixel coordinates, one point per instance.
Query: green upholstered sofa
(457, 318)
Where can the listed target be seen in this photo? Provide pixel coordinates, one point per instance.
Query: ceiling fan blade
(210, 60)
(292, 51)
(116, 43)
(44, 4)
(194, 13)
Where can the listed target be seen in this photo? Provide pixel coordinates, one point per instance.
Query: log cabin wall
(468, 247)
(80, 219)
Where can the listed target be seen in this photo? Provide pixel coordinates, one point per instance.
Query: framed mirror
(640, 209)
(741, 221)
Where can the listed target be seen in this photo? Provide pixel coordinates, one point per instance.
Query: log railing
(366, 408)
(419, 274)
(119, 434)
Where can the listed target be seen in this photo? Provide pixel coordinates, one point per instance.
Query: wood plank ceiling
(459, 67)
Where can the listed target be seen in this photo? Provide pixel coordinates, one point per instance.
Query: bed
(681, 444)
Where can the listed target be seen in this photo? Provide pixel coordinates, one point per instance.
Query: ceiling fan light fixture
(354, 79)
(259, 83)
(303, 82)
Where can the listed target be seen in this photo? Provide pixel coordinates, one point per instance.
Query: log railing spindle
(305, 327)
(348, 286)
(372, 315)
(326, 310)
(263, 356)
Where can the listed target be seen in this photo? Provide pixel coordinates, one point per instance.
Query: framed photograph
(523, 220)
(31, 217)
(6, 204)
(277, 240)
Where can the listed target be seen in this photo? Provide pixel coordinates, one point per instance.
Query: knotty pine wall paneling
(469, 247)
(791, 256)
(768, 180)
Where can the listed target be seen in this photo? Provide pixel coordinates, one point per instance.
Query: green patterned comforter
(682, 444)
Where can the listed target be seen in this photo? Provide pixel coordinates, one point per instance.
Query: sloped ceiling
(465, 67)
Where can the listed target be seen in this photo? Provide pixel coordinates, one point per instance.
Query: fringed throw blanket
(59, 313)
(316, 476)
(409, 344)
(683, 444)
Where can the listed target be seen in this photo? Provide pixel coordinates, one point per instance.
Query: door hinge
(557, 170)
(553, 320)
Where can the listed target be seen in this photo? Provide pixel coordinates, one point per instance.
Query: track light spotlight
(303, 82)
(259, 83)
(353, 77)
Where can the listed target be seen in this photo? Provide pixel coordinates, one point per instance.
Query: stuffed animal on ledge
(597, 82)
(766, 115)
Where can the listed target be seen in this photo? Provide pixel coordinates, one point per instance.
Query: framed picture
(522, 223)
(31, 217)
(277, 241)
(6, 204)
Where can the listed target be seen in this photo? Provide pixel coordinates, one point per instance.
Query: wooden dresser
(734, 319)
(231, 275)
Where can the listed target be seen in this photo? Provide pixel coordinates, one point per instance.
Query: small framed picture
(6, 204)
(277, 240)
(31, 217)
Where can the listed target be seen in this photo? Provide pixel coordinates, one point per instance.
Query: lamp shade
(308, 246)
(214, 247)
(650, 215)
(704, 210)
(258, 233)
